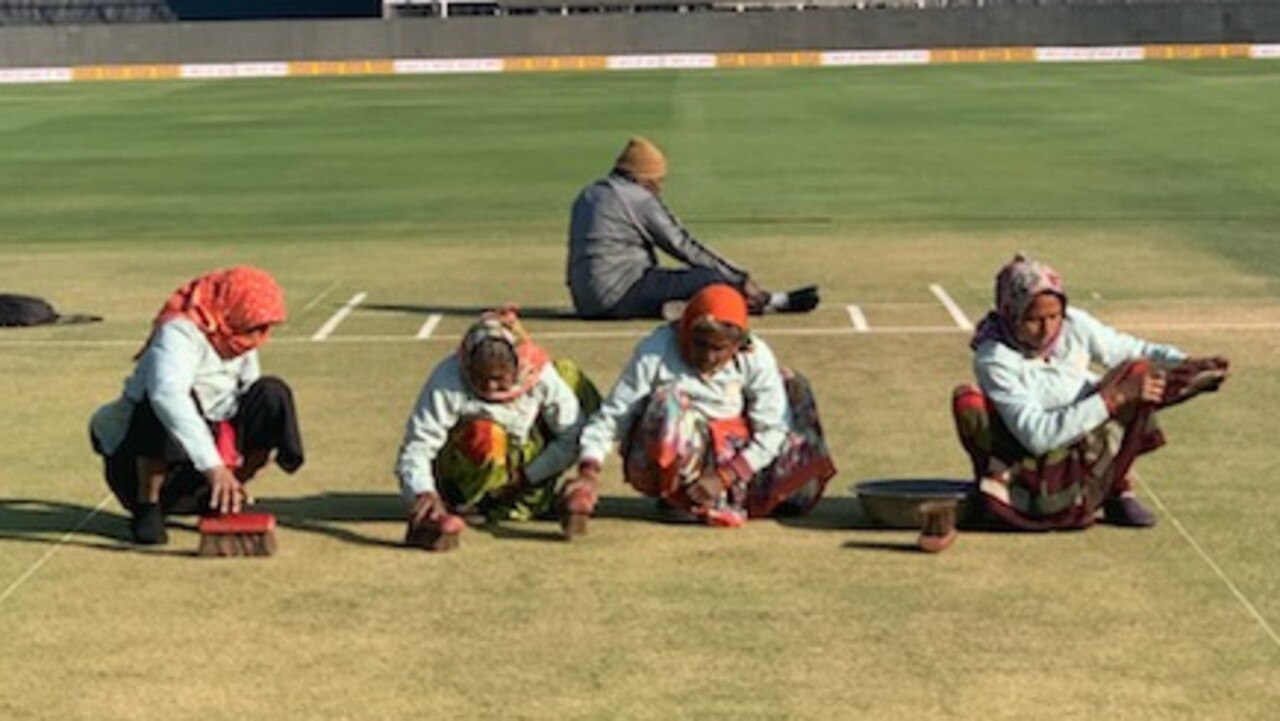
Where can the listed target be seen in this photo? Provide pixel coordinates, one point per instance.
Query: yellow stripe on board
(340, 67)
(983, 55)
(1194, 52)
(126, 72)
(794, 59)
(535, 64)
(578, 63)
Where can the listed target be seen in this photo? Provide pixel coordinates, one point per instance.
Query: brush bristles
(229, 545)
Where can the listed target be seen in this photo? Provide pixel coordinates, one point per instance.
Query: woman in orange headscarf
(708, 422)
(197, 419)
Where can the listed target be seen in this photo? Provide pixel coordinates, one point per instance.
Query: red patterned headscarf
(227, 305)
(504, 324)
(1018, 284)
(721, 303)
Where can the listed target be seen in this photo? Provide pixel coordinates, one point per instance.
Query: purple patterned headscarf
(1017, 285)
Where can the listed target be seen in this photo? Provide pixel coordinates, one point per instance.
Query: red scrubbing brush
(238, 534)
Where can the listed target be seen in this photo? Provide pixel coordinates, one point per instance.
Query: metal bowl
(895, 503)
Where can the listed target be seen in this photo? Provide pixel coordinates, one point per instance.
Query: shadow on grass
(39, 521)
(27, 520)
(533, 311)
(30, 520)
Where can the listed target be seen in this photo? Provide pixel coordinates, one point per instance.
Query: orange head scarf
(721, 303)
(226, 305)
(504, 324)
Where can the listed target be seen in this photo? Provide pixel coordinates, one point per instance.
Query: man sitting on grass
(620, 222)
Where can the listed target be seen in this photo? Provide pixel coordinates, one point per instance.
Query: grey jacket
(616, 227)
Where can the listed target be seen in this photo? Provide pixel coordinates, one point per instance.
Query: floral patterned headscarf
(503, 324)
(1018, 284)
(226, 305)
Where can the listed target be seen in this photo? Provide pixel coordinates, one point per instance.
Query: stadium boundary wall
(647, 40)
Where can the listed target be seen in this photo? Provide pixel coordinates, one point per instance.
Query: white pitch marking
(429, 326)
(1231, 586)
(957, 315)
(857, 318)
(321, 296)
(47, 554)
(886, 330)
(332, 324)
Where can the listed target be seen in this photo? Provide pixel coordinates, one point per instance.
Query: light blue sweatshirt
(178, 369)
(446, 398)
(1053, 402)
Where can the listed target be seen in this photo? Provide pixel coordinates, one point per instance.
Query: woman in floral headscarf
(494, 426)
(1051, 440)
(708, 423)
(197, 419)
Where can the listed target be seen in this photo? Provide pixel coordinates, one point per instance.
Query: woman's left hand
(226, 493)
(1153, 385)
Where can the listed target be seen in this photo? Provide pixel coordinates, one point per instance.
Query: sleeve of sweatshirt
(767, 410)
(1039, 429)
(434, 413)
(616, 414)
(250, 370)
(672, 237)
(563, 416)
(169, 372)
(1110, 347)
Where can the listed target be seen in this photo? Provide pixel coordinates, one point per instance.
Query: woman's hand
(1131, 389)
(1153, 385)
(227, 493)
(426, 507)
(588, 473)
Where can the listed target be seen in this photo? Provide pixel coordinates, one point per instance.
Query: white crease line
(429, 326)
(604, 335)
(857, 318)
(1155, 325)
(331, 324)
(52, 549)
(1253, 611)
(316, 300)
(641, 332)
(957, 315)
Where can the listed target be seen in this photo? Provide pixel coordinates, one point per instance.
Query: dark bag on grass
(25, 310)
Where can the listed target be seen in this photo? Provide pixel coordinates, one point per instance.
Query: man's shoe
(801, 300)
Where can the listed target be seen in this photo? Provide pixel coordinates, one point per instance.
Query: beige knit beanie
(642, 160)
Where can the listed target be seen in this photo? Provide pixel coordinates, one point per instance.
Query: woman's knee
(271, 389)
(971, 410)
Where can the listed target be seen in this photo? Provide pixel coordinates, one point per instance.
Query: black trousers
(659, 285)
(267, 420)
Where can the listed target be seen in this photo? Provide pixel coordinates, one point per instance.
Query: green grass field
(1152, 187)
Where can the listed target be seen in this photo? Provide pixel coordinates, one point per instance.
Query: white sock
(777, 301)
